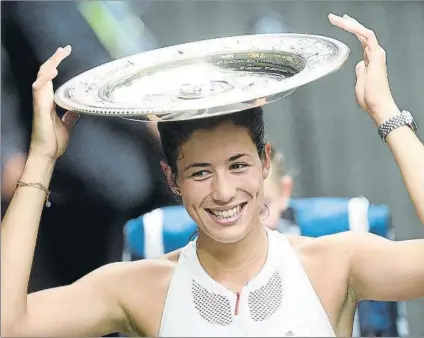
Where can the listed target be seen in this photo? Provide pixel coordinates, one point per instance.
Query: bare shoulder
(172, 256)
(144, 273)
(340, 244)
(337, 252)
(330, 253)
(125, 280)
(332, 250)
(326, 262)
(143, 288)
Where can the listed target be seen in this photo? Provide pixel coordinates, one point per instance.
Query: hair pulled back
(174, 134)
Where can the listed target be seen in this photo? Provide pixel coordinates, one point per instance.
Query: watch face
(409, 119)
(414, 125)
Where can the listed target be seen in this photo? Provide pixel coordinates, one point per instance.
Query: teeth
(227, 213)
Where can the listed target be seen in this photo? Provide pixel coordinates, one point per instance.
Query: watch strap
(404, 118)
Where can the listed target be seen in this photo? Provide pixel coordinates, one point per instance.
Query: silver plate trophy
(204, 78)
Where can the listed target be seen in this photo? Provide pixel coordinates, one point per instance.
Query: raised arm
(381, 269)
(408, 152)
(89, 307)
(374, 96)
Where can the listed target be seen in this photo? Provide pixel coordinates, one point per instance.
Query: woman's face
(220, 178)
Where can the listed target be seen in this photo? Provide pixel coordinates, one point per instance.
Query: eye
(239, 166)
(200, 175)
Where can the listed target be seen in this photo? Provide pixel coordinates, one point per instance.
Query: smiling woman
(222, 190)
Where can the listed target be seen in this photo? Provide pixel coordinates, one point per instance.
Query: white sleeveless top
(279, 301)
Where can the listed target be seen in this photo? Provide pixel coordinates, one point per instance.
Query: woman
(237, 278)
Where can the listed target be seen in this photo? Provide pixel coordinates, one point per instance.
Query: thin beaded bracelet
(38, 186)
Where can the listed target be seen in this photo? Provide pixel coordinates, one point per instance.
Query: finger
(69, 119)
(43, 78)
(58, 57)
(360, 70)
(48, 70)
(353, 26)
(333, 19)
(361, 39)
(378, 50)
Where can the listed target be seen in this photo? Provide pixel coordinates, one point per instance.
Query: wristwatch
(404, 118)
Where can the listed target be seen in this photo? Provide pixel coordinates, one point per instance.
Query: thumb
(70, 118)
(360, 71)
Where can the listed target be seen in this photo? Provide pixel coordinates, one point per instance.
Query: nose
(223, 190)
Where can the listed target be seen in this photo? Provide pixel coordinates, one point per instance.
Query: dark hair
(174, 134)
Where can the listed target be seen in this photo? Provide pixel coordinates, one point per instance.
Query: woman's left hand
(372, 85)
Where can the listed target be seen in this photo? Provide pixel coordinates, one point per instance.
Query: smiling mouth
(227, 215)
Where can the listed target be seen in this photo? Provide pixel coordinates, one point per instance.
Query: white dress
(279, 301)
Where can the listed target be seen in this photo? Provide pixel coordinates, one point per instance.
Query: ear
(170, 177)
(267, 160)
(286, 191)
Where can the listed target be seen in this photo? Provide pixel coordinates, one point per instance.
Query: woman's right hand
(50, 134)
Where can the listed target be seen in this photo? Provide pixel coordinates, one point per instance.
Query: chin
(229, 235)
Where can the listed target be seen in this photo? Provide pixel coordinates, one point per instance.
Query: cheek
(253, 181)
(193, 193)
(253, 185)
(259, 181)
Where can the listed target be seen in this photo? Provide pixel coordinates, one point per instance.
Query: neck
(245, 257)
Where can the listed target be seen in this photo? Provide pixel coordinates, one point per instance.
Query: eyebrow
(236, 157)
(205, 165)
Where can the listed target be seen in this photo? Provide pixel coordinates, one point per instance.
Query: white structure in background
(268, 23)
(358, 221)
